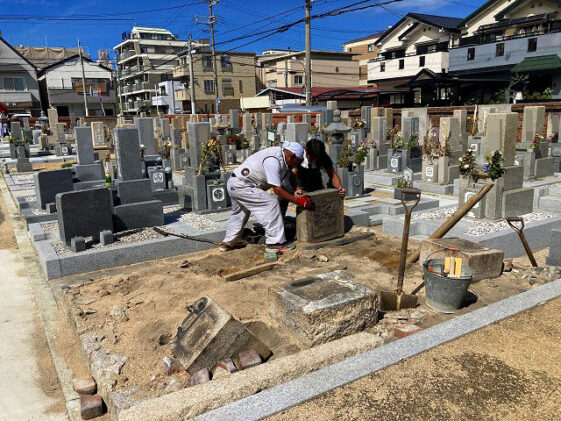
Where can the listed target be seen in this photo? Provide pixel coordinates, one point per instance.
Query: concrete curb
(309, 386)
(46, 304)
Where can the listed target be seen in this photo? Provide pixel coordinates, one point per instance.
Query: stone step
(550, 203)
(555, 191)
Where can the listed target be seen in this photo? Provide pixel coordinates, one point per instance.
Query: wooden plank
(249, 272)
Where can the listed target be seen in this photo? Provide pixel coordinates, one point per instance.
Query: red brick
(227, 364)
(200, 377)
(91, 406)
(84, 385)
(249, 358)
(171, 365)
(403, 330)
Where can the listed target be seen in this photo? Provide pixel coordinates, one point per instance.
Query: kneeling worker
(248, 187)
(308, 173)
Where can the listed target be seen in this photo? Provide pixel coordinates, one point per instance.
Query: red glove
(304, 202)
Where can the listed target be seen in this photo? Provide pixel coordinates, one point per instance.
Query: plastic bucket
(445, 294)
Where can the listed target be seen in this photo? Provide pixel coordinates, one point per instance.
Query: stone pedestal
(325, 221)
(353, 181)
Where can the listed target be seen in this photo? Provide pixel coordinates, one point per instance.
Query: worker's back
(251, 171)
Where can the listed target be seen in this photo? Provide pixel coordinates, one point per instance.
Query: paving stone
(324, 307)
(403, 330)
(484, 261)
(91, 406)
(200, 377)
(84, 385)
(210, 334)
(325, 221)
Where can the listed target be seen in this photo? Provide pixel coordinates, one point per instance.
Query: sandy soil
(51, 165)
(507, 371)
(155, 295)
(7, 239)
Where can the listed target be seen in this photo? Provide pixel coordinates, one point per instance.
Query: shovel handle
(512, 219)
(416, 192)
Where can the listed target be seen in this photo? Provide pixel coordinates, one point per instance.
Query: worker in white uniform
(248, 187)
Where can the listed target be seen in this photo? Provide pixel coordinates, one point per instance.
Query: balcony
(182, 95)
(16, 97)
(410, 67)
(125, 55)
(181, 72)
(515, 48)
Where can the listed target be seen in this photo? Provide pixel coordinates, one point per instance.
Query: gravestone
(98, 133)
(324, 307)
(23, 164)
(331, 105)
(532, 122)
(157, 178)
(127, 151)
(365, 116)
(501, 135)
(410, 127)
(325, 221)
(84, 213)
(553, 125)
(49, 183)
(297, 132)
(16, 132)
(290, 119)
(145, 127)
(88, 171)
(408, 176)
(72, 120)
(420, 125)
(554, 258)
(36, 136)
(235, 120)
(53, 119)
(209, 334)
(199, 133)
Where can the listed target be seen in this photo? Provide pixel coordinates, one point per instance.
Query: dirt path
(508, 371)
(7, 238)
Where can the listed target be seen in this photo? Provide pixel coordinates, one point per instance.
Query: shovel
(396, 300)
(520, 232)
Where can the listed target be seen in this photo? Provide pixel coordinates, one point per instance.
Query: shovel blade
(394, 300)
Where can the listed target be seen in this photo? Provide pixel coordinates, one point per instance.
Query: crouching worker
(248, 187)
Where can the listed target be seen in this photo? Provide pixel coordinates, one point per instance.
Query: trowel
(397, 299)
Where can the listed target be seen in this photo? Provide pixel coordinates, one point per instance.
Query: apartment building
(412, 61)
(286, 69)
(236, 79)
(365, 49)
(19, 89)
(514, 44)
(145, 57)
(61, 87)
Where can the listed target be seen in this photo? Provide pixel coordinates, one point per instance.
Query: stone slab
(49, 183)
(127, 152)
(554, 257)
(209, 334)
(325, 221)
(138, 215)
(84, 145)
(486, 262)
(324, 307)
(84, 213)
(89, 172)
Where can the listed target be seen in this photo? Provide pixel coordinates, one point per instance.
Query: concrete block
(77, 244)
(554, 257)
(210, 334)
(49, 183)
(406, 329)
(249, 358)
(84, 213)
(324, 221)
(84, 385)
(106, 237)
(544, 167)
(325, 307)
(138, 215)
(91, 406)
(513, 177)
(484, 261)
(518, 202)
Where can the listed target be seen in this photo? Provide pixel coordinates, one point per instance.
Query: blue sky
(236, 18)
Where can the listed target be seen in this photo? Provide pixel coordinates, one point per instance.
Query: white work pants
(247, 200)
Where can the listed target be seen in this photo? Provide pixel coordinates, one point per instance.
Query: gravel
(199, 222)
(479, 227)
(50, 226)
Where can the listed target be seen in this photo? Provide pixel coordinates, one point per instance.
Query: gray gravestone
(16, 132)
(198, 134)
(145, 128)
(49, 183)
(127, 151)
(84, 213)
(157, 178)
(84, 146)
(408, 175)
(297, 132)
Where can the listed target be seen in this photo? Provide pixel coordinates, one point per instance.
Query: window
(209, 85)
(371, 48)
(532, 45)
(382, 67)
(272, 84)
(422, 61)
(207, 62)
(227, 87)
(298, 79)
(226, 63)
(471, 53)
(500, 49)
(401, 64)
(241, 86)
(14, 84)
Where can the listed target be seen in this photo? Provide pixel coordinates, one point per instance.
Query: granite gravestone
(84, 213)
(98, 133)
(297, 132)
(87, 170)
(145, 127)
(49, 183)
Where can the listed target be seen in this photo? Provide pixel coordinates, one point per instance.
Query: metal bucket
(445, 294)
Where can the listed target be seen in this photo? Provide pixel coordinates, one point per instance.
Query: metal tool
(520, 232)
(396, 300)
(200, 240)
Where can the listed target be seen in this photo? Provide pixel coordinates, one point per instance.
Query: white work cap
(295, 148)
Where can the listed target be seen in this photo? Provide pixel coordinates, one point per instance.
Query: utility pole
(83, 79)
(191, 78)
(211, 22)
(308, 54)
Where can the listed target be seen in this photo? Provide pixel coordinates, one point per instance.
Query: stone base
(554, 257)
(210, 334)
(138, 215)
(325, 307)
(517, 202)
(24, 167)
(134, 191)
(544, 167)
(428, 187)
(487, 263)
(90, 172)
(83, 185)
